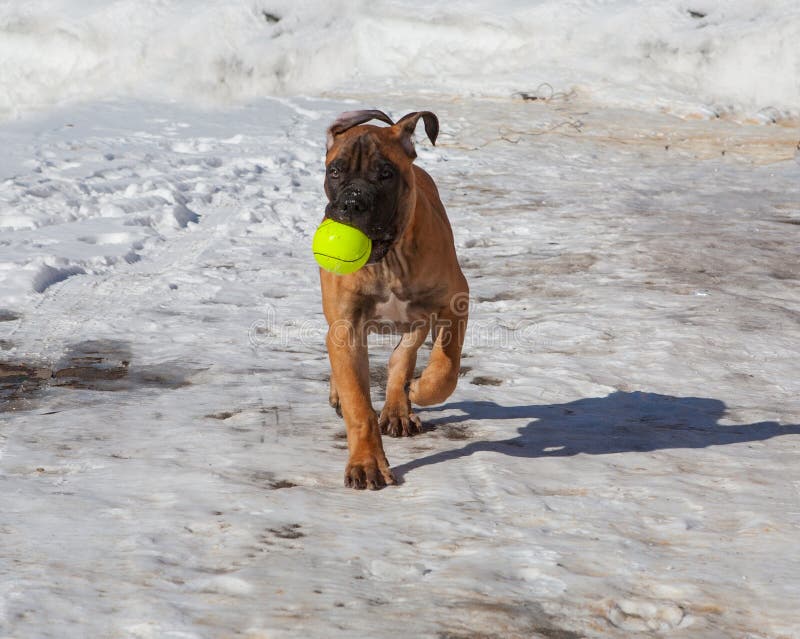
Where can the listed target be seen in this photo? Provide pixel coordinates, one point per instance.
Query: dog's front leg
(397, 418)
(347, 350)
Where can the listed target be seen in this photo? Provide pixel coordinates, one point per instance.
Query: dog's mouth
(382, 238)
(380, 248)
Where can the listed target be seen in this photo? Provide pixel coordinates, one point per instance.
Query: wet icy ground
(621, 455)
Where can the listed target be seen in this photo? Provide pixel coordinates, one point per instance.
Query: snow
(620, 456)
(705, 58)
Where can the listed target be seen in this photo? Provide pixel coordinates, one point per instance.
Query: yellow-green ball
(339, 248)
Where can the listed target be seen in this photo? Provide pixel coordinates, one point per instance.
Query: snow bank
(705, 55)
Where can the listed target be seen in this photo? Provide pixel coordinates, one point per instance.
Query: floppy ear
(408, 123)
(349, 119)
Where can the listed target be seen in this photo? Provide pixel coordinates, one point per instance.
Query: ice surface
(620, 456)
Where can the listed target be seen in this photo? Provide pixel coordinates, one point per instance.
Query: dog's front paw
(368, 472)
(399, 421)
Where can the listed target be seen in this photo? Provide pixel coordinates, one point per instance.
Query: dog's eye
(333, 173)
(386, 173)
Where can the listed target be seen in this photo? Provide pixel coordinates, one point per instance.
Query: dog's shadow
(618, 423)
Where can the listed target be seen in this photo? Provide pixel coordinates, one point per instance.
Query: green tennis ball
(339, 248)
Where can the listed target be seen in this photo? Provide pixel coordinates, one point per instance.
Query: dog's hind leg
(440, 377)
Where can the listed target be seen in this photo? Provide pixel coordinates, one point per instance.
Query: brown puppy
(412, 281)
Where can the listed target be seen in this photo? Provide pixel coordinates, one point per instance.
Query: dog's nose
(353, 201)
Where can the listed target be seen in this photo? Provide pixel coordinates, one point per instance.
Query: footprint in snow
(636, 615)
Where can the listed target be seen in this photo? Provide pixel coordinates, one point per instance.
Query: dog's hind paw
(399, 423)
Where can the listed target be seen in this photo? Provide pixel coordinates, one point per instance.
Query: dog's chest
(393, 309)
(401, 304)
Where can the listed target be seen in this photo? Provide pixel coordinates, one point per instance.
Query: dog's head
(369, 179)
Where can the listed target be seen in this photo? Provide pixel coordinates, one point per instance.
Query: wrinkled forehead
(364, 147)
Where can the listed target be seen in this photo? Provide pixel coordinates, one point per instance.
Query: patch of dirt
(486, 380)
(501, 296)
(98, 365)
(292, 531)
(513, 620)
(105, 365)
(281, 483)
(222, 416)
(262, 479)
(455, 432)
(94, 365)
(19, 383)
